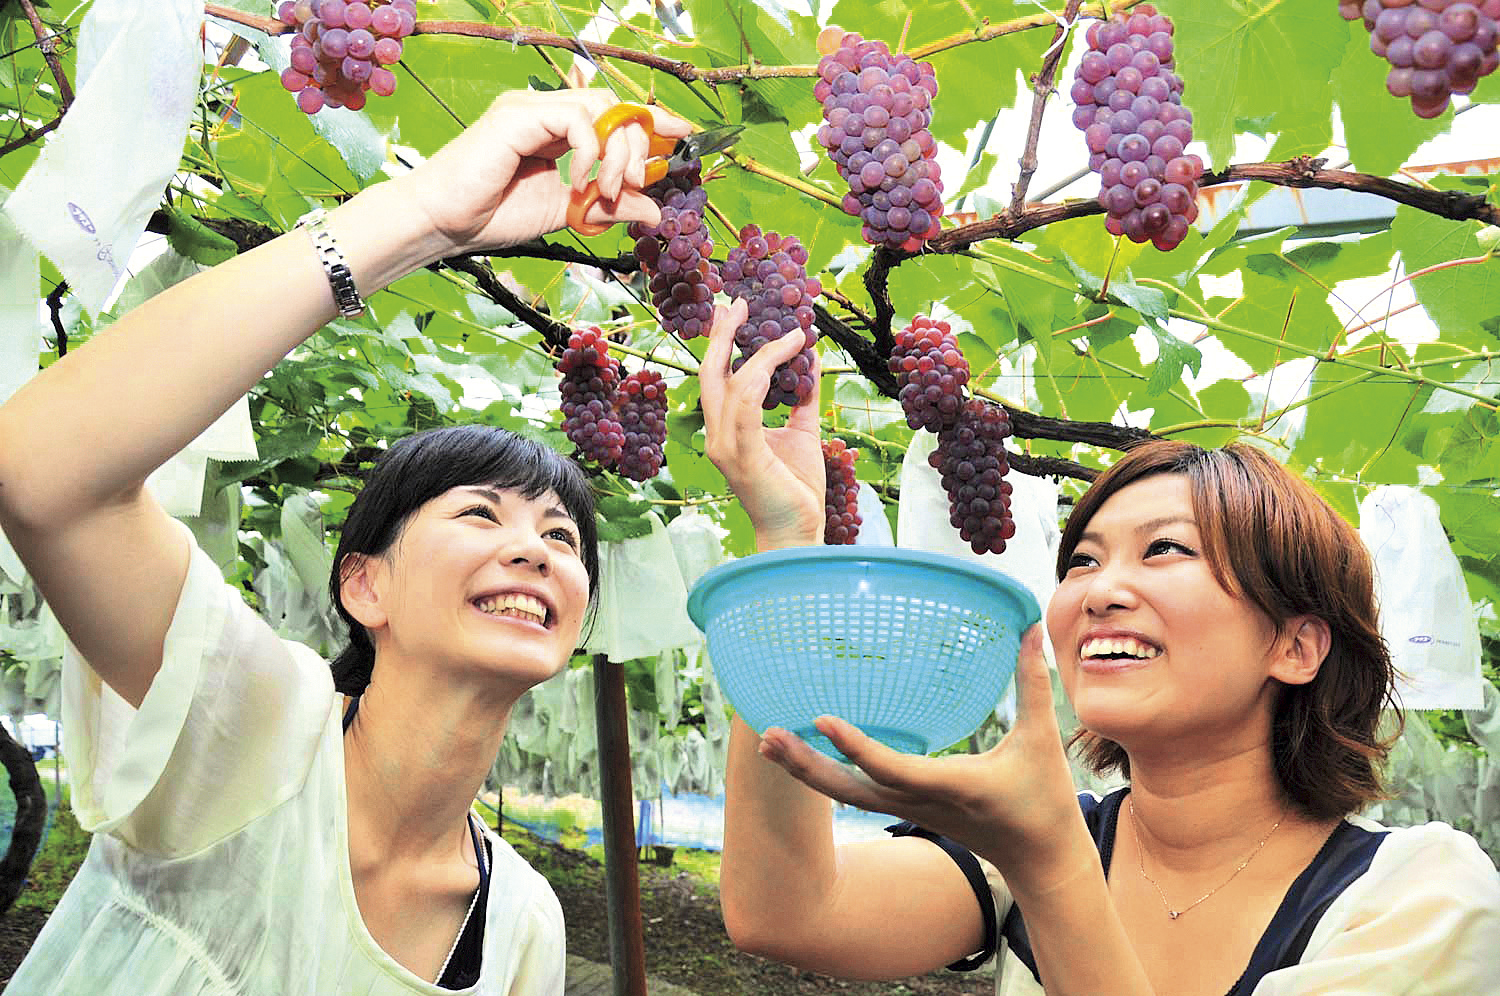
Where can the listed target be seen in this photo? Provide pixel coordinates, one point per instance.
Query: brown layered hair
(1270, 540)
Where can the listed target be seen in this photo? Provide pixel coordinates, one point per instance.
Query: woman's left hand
(1008, 801)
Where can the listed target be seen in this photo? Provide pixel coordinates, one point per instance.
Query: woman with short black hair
(263, 826)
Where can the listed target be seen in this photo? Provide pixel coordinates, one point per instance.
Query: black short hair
(422, 466)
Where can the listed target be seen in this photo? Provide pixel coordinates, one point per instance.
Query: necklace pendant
(1174, 914)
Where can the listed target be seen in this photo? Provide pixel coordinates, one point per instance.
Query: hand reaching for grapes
(498, 182)
(777, 474)
(1006, 804)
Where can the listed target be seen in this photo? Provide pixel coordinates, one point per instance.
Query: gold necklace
(1140, 850)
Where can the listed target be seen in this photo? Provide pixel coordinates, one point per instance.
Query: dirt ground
(685, 938)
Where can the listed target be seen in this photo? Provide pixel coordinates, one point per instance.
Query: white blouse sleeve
(227, 730)
(1423, 921)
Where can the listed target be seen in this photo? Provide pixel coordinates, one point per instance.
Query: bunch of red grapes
(970, 458)
(342, 47)
(840, 494)
(876, 111)
(590, 376)
(675, 253)
(770, 272)
(1129, 107)
(641, 406)
(619, 423)
(1436, 48)
(931, 373)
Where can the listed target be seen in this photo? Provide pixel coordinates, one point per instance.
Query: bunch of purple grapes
(641, 406)
(590, 377)
(770, 272)
(876, 109)
(1129, 107)
(342, 47)
(840, 494)
(931, 373)
(971, 459)
(1436, 48)
(674, 254)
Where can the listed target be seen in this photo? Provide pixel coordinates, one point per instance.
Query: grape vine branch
(1042, 88)
(868, 347)
(684, 71)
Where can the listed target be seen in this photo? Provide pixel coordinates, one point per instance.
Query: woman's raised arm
(882, 909)
(78, 441)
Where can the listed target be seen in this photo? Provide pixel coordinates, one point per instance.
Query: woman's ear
(360, 590)
(1301, 650)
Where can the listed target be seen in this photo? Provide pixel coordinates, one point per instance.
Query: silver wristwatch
(345, 294)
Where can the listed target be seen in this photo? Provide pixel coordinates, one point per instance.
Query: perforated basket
(913, 648)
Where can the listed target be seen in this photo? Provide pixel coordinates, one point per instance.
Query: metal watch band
(345, 294)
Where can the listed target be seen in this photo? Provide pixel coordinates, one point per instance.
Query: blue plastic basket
(913, 648)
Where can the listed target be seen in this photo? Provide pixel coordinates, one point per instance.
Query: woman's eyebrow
(483, 492)
(1149, 526)
(552, 512)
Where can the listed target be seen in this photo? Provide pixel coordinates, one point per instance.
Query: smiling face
(1150, 647)
(482, 582)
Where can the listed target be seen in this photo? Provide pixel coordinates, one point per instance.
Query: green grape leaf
(1380, 131)
(1174, 355)
(1459, 299)
(195, 240)
(1265, 58)
(1225, 400)
(977, 176)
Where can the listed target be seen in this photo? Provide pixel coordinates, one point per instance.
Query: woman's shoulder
(1430, 860)
(527, 884)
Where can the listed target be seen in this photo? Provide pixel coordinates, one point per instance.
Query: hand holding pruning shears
(498, 182)
(667, 154)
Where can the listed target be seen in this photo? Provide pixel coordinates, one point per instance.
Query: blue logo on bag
(1422, 638)
(81, 218)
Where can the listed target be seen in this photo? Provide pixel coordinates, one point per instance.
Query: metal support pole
(627, 945)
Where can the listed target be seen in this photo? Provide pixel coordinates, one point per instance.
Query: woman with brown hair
(1216, 632)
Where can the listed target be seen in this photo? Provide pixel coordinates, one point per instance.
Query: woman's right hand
(498, 182)
(1010, 804)
(777, 474)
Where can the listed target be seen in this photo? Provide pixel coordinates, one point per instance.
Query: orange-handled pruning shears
(667, 154)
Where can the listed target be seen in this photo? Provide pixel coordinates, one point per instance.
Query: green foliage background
(1285, 69)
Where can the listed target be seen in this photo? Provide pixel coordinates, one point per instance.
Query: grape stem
(54, 308)
(1448, 265)
(750, 165)
(29, 135)
(46, 42)
(554, 333)
(1042, 89)
(1415, 378)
